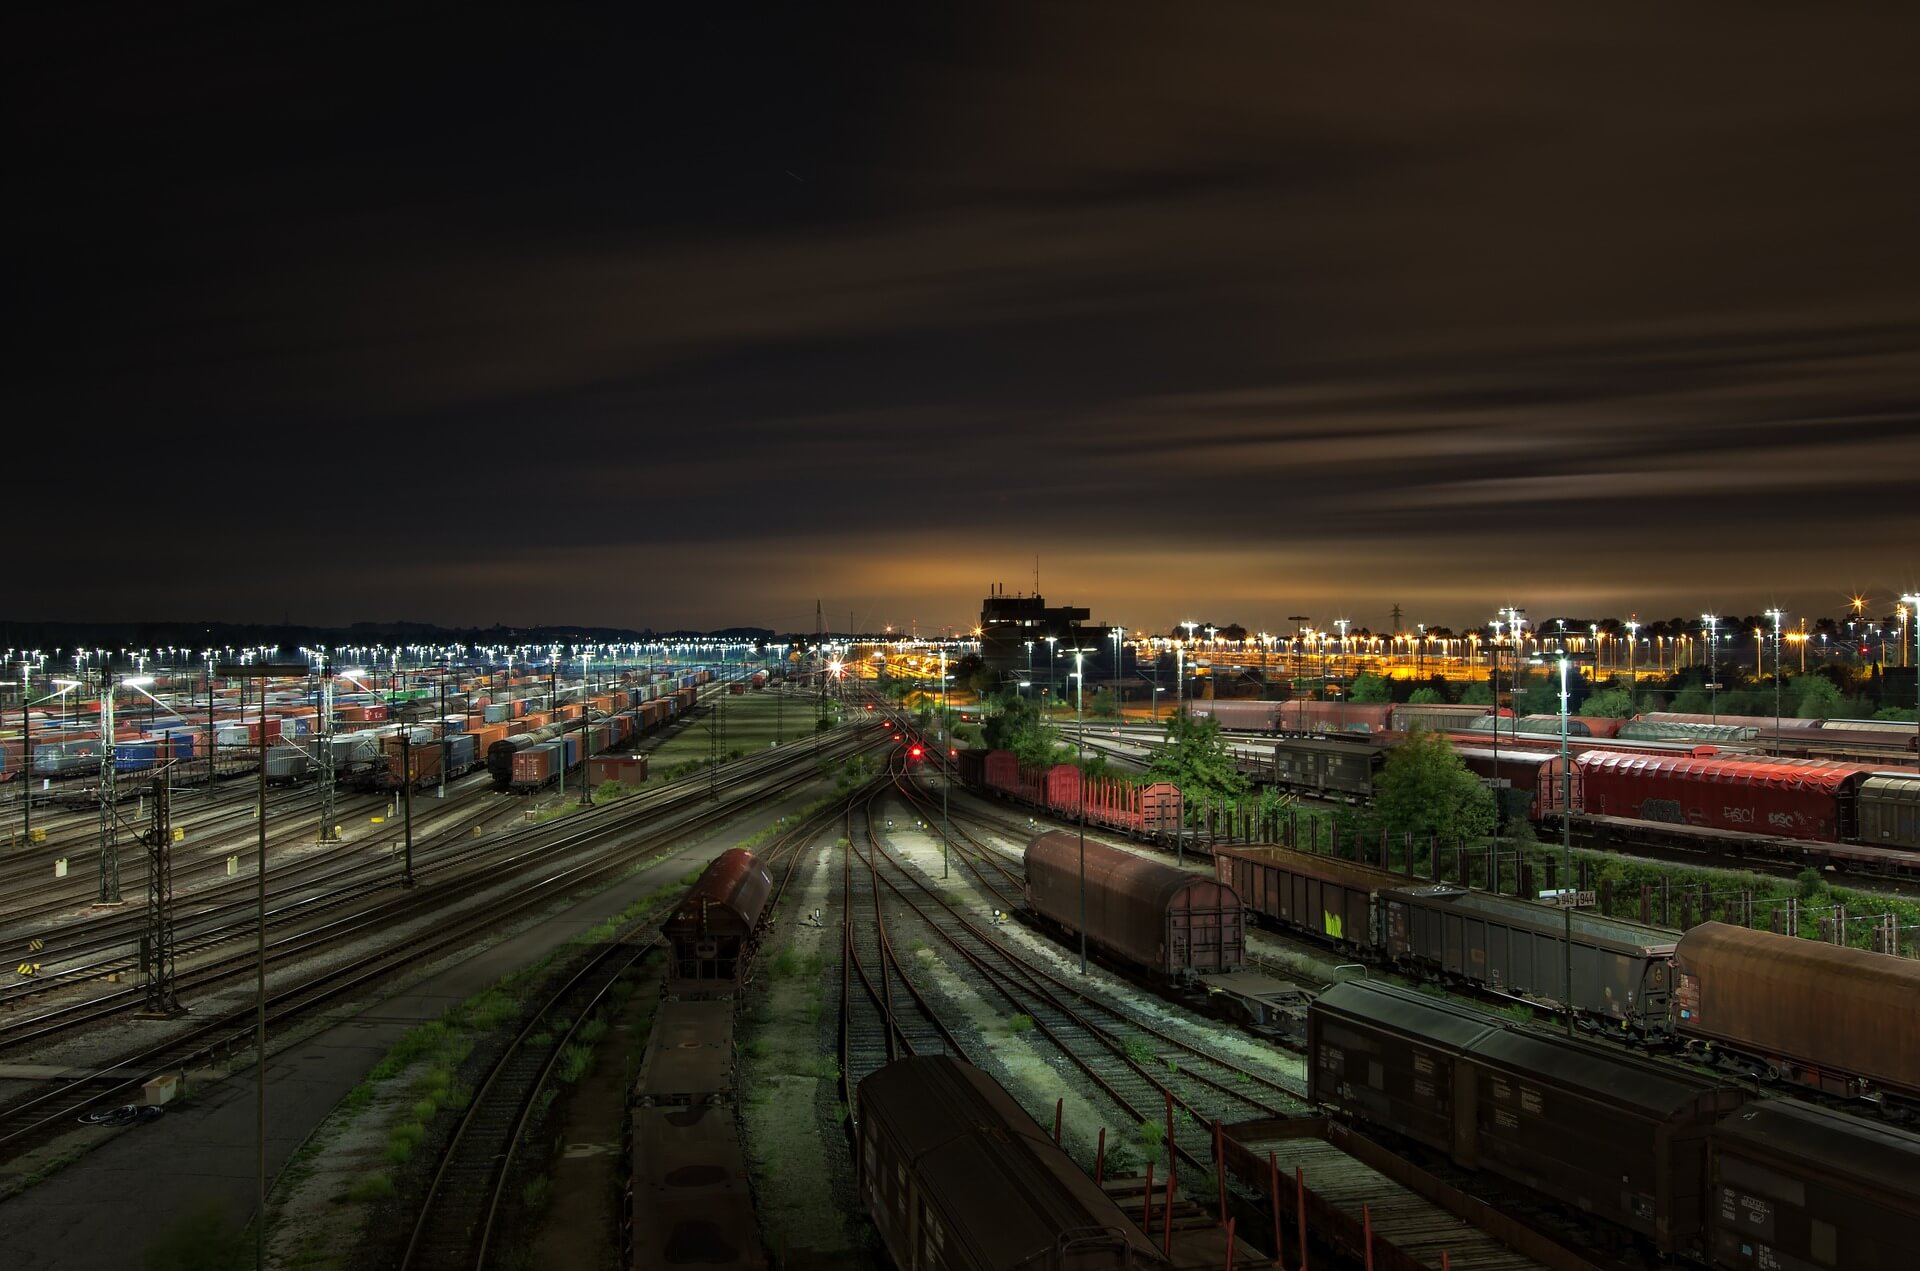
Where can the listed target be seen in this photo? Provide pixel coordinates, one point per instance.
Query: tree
(1104, 705)
(1370, 690)
(1818, 697)
(1014, 724)
(1478, 693)
(1425, 790)
(1612, 703)
(1194, 757)
(1424, 696)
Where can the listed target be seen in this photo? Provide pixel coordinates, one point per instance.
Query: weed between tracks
(384, 1134)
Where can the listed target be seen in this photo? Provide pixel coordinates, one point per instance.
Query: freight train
(1788, 734)
(688, 1198)
(1770, 1006)
(1674, 786)
(956, 1175)
(1684, 1164)
(1136, 808)
(536, 758)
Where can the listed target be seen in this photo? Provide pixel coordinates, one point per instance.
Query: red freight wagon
(1784, 798)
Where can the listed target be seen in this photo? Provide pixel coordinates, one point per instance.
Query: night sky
(685, 316)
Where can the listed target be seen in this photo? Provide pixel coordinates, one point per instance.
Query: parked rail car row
(1688, 1166)
(688, 1199)
(1139, 809)
(1790, 799)
(1312, 717)
(534, 759)
(1772, 1007)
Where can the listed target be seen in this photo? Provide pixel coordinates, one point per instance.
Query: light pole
(1776, 615)
(1051, 641)
(1119, 635)
(1914, 600)
(946, 718)
(1633, 637)
(1566, 835)
(1713, 664)
(262, 671)
(1081, 799)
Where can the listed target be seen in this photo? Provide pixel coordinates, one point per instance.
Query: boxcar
(1781, 798)
(1239, 716)
(1889, 807)
(1620, 969)
(1526, 781)
(1587, 1124)
(1325, 897)
(958, 1177)
(1797, 1186)
(1388, 1057)
(1436, 717)
(1333, 717)
(1837, 1019)
(1337, 768)
(711, 933)
(1161, 920)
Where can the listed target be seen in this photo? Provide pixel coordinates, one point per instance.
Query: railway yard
(790, 987)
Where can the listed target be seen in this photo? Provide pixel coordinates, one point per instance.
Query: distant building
(1014, 631)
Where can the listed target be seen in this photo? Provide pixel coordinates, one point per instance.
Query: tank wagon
(712, 932)
(1836, 1019)
(1797, 1186)
(956, 1175)
(1590, 1126)
(1165, 922)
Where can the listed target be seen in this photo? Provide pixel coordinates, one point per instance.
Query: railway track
(460, 1218)
(567, 858)
(1145, 1068)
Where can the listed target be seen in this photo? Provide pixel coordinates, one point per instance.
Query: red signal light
(869, 705)
(915, 752)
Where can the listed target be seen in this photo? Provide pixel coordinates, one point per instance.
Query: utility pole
(328, 777)
(109, 812)
(406, 794)
(157, 947)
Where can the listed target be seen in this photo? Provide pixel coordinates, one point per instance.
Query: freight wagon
(956, 1175)
(1836, 1019)
(1621, 970)
(712, 932)
(1597, 1129)
(1330, 899)
(1165, 922)
(1323, 768)
(1142, 809)
(1795, 1186)
(1779, 797)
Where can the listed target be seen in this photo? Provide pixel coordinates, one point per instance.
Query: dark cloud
(689, 320)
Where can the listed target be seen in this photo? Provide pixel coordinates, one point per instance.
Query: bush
(206, 1238)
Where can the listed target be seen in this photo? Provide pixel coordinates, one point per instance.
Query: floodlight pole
(1081, 786)
(261, 671)
(1566, 833)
